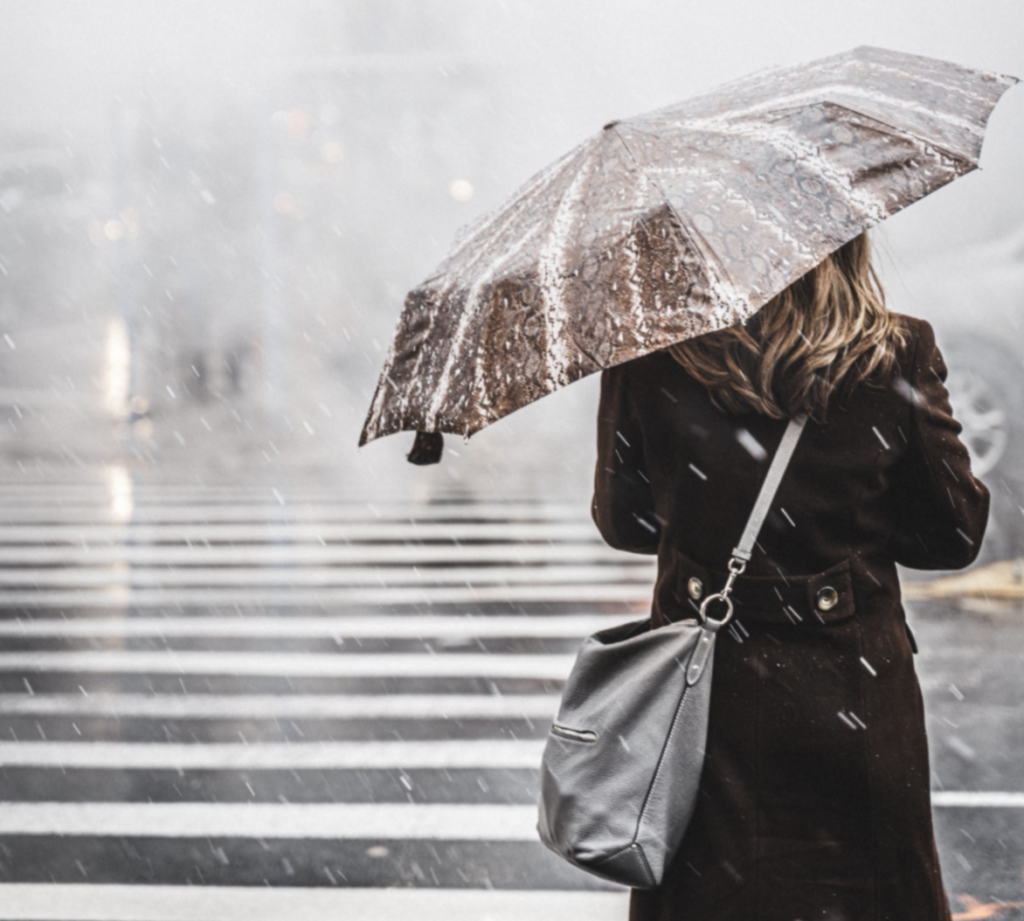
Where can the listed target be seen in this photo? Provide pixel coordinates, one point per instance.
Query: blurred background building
(206, 279)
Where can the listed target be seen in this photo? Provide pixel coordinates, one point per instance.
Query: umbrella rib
(948, 88)
(708, 252)
(900, 132)
(485, 221)
(818, 96)
(441, 392)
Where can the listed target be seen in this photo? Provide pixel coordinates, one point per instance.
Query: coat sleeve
(941, 508)
(623, 506)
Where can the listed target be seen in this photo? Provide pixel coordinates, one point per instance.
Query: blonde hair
(828, 330)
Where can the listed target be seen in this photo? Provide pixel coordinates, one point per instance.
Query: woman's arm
(942, 510)
(623, 507)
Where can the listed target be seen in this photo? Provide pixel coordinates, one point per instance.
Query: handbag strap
(745, 548)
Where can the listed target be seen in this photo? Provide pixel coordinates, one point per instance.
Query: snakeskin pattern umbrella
(673, 224)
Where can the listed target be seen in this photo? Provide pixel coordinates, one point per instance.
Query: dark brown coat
(814, 799)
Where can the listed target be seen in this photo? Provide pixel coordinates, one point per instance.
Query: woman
(814, 800)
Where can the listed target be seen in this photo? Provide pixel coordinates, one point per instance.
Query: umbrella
(669, 225)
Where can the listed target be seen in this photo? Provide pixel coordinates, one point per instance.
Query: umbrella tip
(426, 449)
(610, 124)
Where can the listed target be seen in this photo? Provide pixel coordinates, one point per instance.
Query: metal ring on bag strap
(719, 597)
(736, 569)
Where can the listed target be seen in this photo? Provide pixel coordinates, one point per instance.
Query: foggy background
(210, 212)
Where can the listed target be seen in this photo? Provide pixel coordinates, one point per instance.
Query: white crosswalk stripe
(333, 821)
(441, 754)
(415, 554)
(410, 626)
(29, 902)
(315, 576)
(634, 594)
(199, 532)
(285, 664)
(280, 706)
(328, 510)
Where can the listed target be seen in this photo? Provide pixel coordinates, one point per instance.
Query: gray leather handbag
(622, 763)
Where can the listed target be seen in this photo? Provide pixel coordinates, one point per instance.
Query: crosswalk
(259, 701)
(288, 701)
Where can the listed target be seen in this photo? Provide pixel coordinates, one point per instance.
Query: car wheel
(982, 412)
(984, 386)
(986, 390)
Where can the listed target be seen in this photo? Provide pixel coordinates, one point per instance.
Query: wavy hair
(827, 332)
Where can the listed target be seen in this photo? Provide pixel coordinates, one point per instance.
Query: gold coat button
(695, 587)
(827, 598)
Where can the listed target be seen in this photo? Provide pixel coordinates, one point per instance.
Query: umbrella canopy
(672, 224)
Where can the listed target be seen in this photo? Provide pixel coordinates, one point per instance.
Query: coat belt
(820, 598)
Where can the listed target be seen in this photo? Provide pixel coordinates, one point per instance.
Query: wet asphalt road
(972, 671)
(204, 688)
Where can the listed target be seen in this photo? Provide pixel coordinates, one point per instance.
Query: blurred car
(974, 298)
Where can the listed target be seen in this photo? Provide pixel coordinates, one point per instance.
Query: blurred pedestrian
(814, 799)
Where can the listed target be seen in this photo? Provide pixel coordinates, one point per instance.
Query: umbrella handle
(426, 449)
